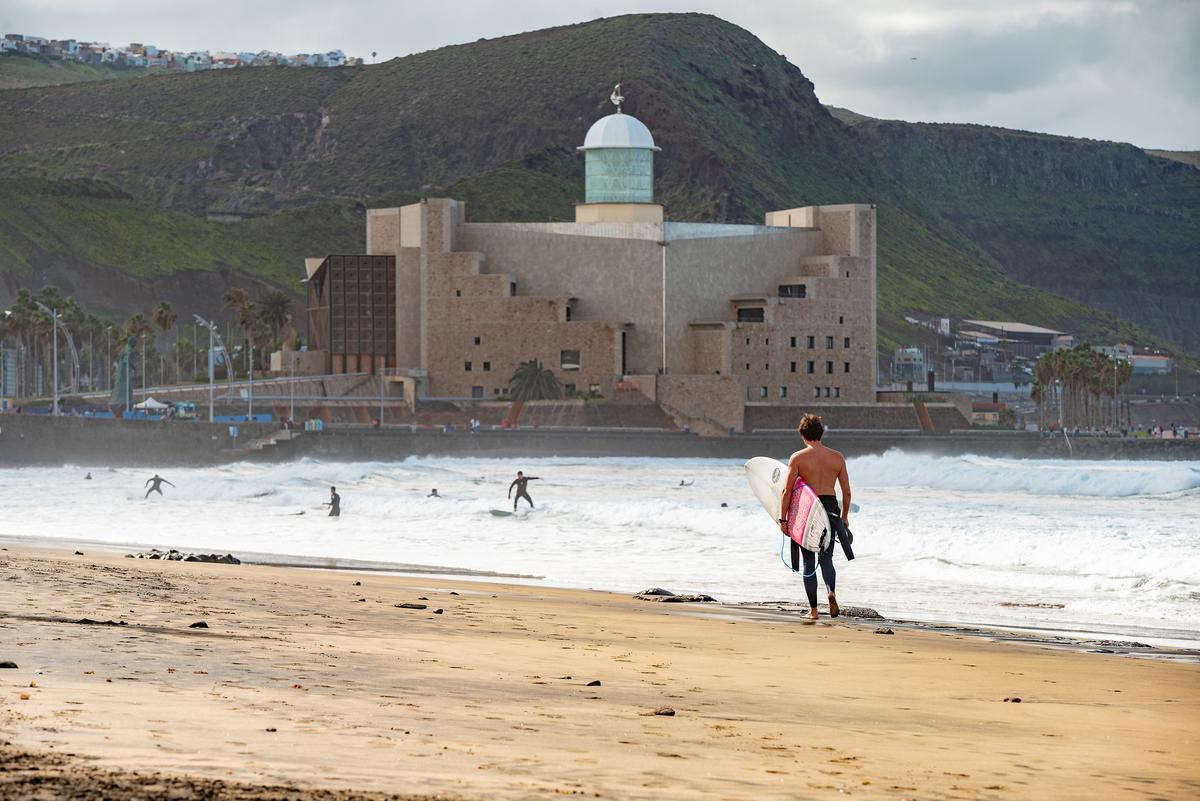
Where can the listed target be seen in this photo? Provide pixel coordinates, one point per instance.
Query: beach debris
(884, 631)
(178, 556)
(79, 553)
(1031, 606)
(8, 665)
(87, 621)
(565, 678)
(358, 584)
(1013, 700)
(199, 624)
(437, 611)
(24, 696)
(863, 612)
(452, 592)
(362, 600)
(422, 598)
(272, 729)
(668, 597)
(662, 711)
(594, 683)
(410, 606)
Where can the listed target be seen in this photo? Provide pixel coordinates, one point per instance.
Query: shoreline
(330, 681)
(1085, 641)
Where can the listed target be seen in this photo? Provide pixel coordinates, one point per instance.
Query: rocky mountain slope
(144, 178)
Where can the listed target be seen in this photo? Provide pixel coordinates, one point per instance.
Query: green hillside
(973, 221)
(20, 71)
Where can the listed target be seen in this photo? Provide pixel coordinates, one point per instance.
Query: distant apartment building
(703, 318)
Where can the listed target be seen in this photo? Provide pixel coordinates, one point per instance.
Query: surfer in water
(520, 482)
(821, 468)
(158, 481)
(335, 503)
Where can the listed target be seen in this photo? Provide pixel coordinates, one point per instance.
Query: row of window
(758, 314)
(830, 392)
(567, 360)
(809, 342)
(809, 367)
(477, 392)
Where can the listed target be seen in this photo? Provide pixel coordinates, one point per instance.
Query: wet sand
(318, 680)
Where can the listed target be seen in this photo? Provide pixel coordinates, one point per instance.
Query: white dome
(618, 130)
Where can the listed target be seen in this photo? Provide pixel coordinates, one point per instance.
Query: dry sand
(306, 679)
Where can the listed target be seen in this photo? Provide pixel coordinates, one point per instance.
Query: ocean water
(1096, 547)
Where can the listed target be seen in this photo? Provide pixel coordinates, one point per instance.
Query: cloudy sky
(1126, 70)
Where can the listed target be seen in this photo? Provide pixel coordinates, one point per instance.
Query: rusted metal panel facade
(352, 304)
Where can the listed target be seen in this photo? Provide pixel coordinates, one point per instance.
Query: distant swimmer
(88, 477)
(335, 503)
(433, 494)
(521, 482)
(821, 468)
(158, 482)
(683, 483)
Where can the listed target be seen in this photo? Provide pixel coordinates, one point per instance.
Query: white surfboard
(808, 524)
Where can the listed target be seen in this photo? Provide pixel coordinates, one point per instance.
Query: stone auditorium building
(701, 318)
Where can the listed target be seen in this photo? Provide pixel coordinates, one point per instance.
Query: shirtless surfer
(520, 482)
(821, 468)
(158, 481)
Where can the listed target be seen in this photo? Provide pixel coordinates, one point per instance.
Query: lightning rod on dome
(617, 98)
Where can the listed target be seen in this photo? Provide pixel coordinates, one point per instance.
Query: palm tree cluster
(1088, 388)
(28, 330)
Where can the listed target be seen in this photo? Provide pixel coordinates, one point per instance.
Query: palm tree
(274, 308)
(532, 381)
(238, 301)
(164, 318)
(138, 328)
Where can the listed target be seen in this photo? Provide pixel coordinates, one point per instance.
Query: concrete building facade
(701, 318)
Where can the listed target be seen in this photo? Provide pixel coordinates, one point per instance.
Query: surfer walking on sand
(521, 482)
(335, 503)
(820, 467)
(158, 481)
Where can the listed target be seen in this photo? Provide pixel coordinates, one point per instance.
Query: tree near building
(164, 318)
(532, 381)
(273, 309)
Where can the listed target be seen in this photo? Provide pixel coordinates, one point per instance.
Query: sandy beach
(326, 682)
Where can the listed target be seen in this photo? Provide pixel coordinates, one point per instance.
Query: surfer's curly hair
(811, 427)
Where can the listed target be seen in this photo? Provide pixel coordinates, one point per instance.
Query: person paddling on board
(335, 503)
(821, 468)
(520, 482)
(158, 481)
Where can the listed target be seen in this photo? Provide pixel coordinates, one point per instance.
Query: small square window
(827, 392)
(569, 359)
(828, 368)
(845, 342)
(753, 314)
(837, 392)
(477, 392)
(747, 340)
(783, 392)
(793, 367)
(496, 391)
(476, 340)
(810, 342)
(512, 288)
(467, 366)
(458, 293)
(569, 389)
(841, 320)
(762, 392)
(810, 367)
(766, 367)
(767, 341)
(747, 365)
(816, 392)
(793, 342)
(487, 367)
(845, 367)
(828, 342)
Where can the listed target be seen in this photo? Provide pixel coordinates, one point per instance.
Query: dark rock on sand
(884, 631)
(199, 624)
(272, 729)
(594, 683)
(8, 665)
(1013, 700)
(178, 556)
(410, 606)
(662, 711)
(358, 584)
(862, 612)
(87, 621)
(437, 611)
(654, 591)
(676, 599)
(79, 553)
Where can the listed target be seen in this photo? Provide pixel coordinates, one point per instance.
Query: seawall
(47, 441)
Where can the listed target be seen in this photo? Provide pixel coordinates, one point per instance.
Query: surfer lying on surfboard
(820, 468)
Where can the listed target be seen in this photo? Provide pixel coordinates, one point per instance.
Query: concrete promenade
(47, 441)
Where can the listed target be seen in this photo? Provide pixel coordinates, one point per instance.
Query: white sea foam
(940, 538)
